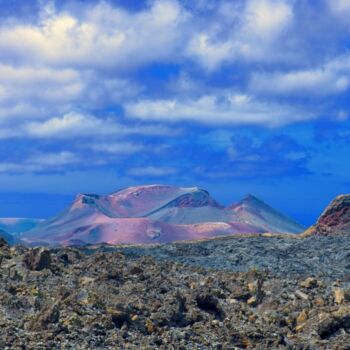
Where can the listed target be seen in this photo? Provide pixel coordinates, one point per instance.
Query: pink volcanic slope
(127, 217)
(140, 201)
(259, 214)
(101, 229)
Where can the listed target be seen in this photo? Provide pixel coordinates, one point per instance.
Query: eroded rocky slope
(181, 297)
(335, 220)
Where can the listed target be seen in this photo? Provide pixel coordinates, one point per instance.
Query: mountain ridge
(155, 213)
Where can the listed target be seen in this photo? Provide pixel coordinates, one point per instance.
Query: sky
(237, 97)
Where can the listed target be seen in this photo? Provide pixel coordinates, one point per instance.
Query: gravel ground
(326, 257)
(233, 293)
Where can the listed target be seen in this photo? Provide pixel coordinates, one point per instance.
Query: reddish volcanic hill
(155, 214)
(142, 201)
(335, 220)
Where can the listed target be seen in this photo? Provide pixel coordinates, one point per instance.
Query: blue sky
(234, 96)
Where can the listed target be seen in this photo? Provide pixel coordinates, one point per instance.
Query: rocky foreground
(237, 293)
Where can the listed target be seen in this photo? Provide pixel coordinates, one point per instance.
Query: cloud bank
(136, 89)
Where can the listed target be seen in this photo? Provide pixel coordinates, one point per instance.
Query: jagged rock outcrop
(335, 220)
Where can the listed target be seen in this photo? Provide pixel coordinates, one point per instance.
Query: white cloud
(341, 8)
(68, 60)
(75, 125)
(53, 159)
(15, 168)
(99, 36)
(184, 84)
(35, 93)
(217, 110)
(34, 86)
(31, 75)
(79, 59)
(267, 19)
(209, 52)
(253, 30)
(41, 162)
(265, 30)
(151, 171)
(21, 110)
(117, 148)
(328, 79)
(70, 125)
(66, 76)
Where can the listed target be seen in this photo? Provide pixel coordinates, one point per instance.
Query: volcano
(155, 214)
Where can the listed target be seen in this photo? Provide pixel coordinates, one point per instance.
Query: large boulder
(37, 259)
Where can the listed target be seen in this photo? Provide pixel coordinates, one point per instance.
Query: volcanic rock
(48, 315)
(335, 220)
(178, 296)
(37, 259)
